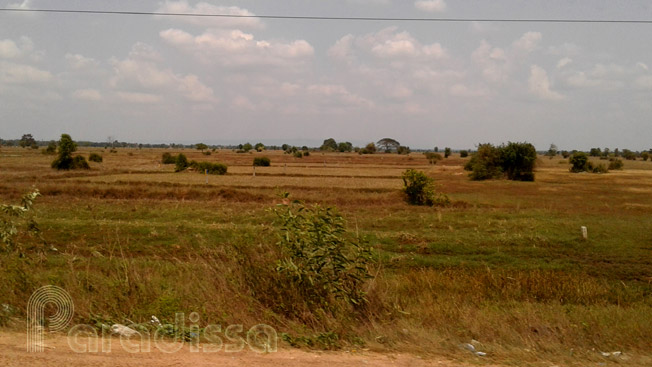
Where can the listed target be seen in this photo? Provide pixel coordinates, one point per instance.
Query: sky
(154, 79)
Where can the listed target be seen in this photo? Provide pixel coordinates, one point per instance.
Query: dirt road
(57, 352)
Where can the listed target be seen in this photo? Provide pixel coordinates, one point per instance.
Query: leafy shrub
(485, 163)
(368, 149)
(210, 168)
(321, 261)
(565, 154)
(168, 158)
(464, 153)
(579, 162)
(79, 162)
(15, 217)
(447, 152)
(181, 163)
(262, 162)
(65, 161)
(645, 156)
(615, 164)
(403, 150)
(298, 154)
(51, 148)
(419, 190)
(433, 158)
(515, 161)
(518, 160)
(306, 153)
(600, 168)
(94, 157)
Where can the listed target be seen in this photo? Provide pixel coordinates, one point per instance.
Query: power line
(302, 17)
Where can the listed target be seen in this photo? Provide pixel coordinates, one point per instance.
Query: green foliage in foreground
(321, 261)
(419, 190)
(15, 217)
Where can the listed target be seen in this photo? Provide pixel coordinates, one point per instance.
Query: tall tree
(27, 141)
(329, 144)
(388, 144)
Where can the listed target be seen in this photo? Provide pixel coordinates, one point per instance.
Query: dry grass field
(504, 264)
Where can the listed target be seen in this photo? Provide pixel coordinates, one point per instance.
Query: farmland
(503, 264)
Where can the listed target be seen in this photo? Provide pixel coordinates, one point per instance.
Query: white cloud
(80, 62)
(87, 94)
(338, 94)
(564, 62)
(642, 66)
(528, 42)
(236, 48)
(134, 97)
(12, 73)
(10, 49)
(139, 74)
(387, 43)
(539, 84)
(492, 62)
(461, 90)
(431, 6)
(182, 7)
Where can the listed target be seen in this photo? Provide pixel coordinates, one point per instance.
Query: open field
(504, 264)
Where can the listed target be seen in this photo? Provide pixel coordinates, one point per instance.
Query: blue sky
(181, 79)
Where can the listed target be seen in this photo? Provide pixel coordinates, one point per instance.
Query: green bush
(580, 162)
(181, 163)
(418, 189)
(262, 162)
(433, 158)
(298, 154)
(168, 158)
(94, 157)
(65, 161)
(447, 152)
(51, 148)
(600, 168)
(210, 168)
(464, 153)
(645, 156)
(615, 164)
(306, 153)
(518, 160)
(515, 161)
(17, 219)
(485, 163)
(79, 162)
(322, 263)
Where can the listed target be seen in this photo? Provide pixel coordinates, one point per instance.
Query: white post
(585, 233)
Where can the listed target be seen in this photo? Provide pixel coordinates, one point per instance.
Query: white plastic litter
(611, 354)
(155, 320)
(123, 330)
(471, 348)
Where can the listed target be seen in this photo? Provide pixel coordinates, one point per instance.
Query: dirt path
(57, 352)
